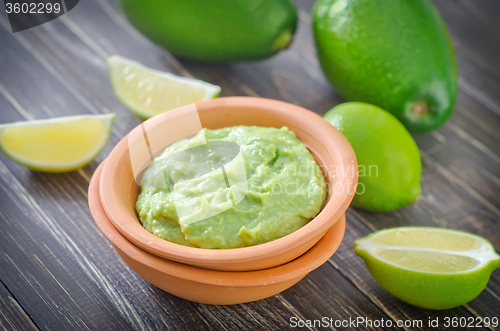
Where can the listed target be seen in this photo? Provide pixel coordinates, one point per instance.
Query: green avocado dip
(232, 187)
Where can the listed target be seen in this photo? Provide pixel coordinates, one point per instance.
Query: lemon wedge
(58, 144)
(147, 92)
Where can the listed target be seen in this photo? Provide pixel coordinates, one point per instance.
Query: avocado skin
(390, 53)
(215, 30)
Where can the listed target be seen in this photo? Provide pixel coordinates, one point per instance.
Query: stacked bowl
(228, 276)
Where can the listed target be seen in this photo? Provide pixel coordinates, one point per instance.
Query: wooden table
(58, 272)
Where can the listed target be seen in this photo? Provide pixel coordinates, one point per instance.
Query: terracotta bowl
(210, 286)
(332, 151)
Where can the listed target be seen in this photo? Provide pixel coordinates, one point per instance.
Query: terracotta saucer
(210, 286)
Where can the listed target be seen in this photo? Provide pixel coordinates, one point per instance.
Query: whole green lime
(389, 165)
(395, 54)
(215, 30)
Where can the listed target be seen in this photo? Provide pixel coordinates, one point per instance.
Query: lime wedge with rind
(147, 92)
(56, 145)
(429, 267)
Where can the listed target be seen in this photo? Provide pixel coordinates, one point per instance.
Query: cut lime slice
(147, 92)
(429, 267)
(58, 144)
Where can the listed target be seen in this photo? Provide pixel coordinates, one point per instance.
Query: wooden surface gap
(23, 313)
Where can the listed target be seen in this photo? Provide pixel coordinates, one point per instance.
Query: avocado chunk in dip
(232, 187)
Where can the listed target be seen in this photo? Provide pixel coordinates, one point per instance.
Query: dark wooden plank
(323, 292)
(12, 315)
(477, 49)
(65, 58)
(474, 25)
(327, 294)
(37, 270)
(479, 119)
(485, 12)
(455, 151)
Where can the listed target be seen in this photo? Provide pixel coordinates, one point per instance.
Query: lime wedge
(429, 267)
(147, 92)
(58, 144)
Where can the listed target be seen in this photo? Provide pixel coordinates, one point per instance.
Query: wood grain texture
(12, 315)
(57, 270)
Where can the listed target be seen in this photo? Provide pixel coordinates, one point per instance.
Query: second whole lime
(389, 164)
(215, 30)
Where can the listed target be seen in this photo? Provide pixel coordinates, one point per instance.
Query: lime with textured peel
(58, 144)
(428, 267)
(147, 92)
(388, 158)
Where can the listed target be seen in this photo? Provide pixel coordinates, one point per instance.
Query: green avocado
(395, 54)
(215, 30)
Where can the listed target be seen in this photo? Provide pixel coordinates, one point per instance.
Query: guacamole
(232, 187)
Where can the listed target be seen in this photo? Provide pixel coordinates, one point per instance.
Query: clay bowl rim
(299, 267)
(330, 213)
